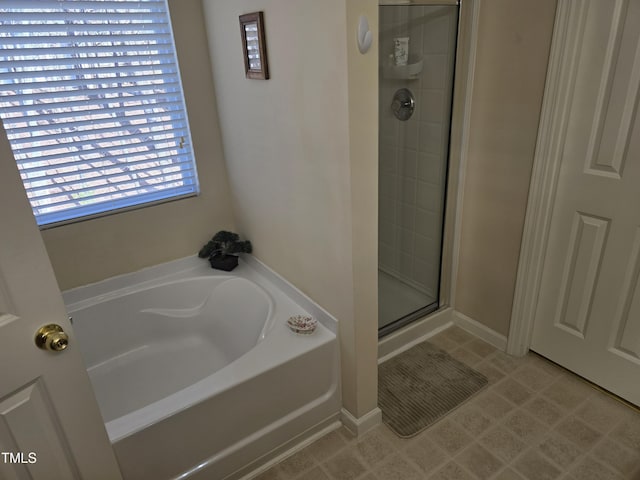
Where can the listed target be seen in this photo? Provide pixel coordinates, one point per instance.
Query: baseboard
(480, 330)
(414, 333)
(359, 426)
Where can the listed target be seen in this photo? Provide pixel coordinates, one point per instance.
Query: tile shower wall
(413, 154)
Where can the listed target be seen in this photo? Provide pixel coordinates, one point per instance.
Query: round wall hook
(364, 35)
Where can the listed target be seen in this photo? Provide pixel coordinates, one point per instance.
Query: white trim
(480, 330)
(561, 75)
(464, 148)
(360, 426)
(414, 333)
(427, 327)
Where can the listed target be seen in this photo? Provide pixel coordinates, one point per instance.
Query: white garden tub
(195, 371)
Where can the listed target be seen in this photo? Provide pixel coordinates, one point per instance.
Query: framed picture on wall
(254, 46)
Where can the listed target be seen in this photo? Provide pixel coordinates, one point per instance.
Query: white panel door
(50, 425)
(588, 312)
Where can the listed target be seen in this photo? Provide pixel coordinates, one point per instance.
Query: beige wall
(95, 249)
(512, 53)
(288, 150)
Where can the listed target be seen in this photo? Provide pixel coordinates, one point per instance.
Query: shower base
(397, 299)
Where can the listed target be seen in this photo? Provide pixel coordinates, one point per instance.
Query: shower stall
(417, 45)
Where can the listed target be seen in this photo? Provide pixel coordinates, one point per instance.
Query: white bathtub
(195, 371)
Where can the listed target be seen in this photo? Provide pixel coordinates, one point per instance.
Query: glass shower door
(417, 57)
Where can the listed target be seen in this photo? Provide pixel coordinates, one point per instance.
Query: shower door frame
(463, 76)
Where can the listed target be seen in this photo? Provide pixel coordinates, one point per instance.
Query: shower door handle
(397, 105)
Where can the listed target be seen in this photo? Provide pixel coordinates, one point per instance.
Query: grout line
(463, 467)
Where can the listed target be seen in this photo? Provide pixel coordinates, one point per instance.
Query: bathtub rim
(318, 312)
(155, 273)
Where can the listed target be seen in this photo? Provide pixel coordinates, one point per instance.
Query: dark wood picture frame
(254, 46)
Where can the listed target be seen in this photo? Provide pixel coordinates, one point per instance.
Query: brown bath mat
(418, 387)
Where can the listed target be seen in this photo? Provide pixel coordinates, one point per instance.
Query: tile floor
(534, 421)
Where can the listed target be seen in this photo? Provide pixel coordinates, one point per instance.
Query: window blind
(91, 99)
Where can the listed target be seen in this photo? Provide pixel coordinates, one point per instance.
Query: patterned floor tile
(535, 421)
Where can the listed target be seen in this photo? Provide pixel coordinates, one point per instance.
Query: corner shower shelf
(411, 71)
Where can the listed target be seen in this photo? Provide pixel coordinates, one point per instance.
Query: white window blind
(91, 99)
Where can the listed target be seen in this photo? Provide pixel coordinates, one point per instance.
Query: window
(91, 100)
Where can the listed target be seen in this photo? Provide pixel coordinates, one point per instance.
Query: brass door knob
(52, 337)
